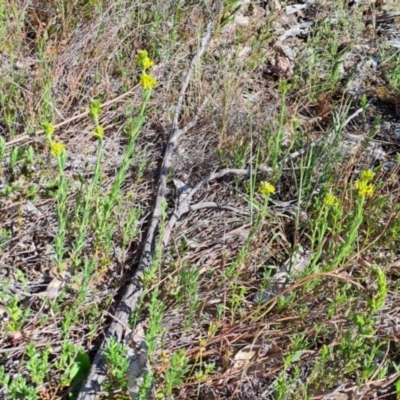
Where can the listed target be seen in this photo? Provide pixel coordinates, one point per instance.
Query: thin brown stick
(25, 137)
(187, 208)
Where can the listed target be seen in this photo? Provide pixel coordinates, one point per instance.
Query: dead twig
(26, 137)
(184, 206)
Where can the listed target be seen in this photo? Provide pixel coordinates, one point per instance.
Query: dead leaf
(248, 359)
(295, 8)
(298, 30)
(45, 395)
(245, 52)
(244, 356)
(241, 20)
(277, 5)
(283, 67)
(54, 288)
(16, 339)
(336, 396)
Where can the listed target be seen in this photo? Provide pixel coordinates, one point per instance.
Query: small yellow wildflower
(147, 81)
(95, 109)
(48, 128)
(266, 188)
(99, 132)
(147, 63)
(364, 188)
(331, 201)
(367, 175)
(144, 61)
(56, 149)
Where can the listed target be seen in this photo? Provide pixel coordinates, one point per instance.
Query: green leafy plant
(117, 363)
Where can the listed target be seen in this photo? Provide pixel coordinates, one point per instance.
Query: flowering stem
(80, 240)
(135, 127)
(318, 236)
(352, 234)
(146, 98)
(61, 197)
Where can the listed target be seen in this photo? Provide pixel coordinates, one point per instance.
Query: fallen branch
(186, 197)
(134, 290)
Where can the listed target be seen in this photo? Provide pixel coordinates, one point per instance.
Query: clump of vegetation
(201, 199)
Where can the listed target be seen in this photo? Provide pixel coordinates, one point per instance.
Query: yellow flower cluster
(266, 188)
(364, 187)
(99, 132)
(367, 175)
(146, 80)
(143, 60)
(48, 128)
(331, 201)
(56, 148)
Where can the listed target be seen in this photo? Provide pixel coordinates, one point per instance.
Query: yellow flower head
(147, 63)
(364, 188)
(56, 149)
(48, 128)
(367, 175)
(144, 61)
(331, 201)
(95, 109)
(147, 81)
(99, 132)
(266, 188)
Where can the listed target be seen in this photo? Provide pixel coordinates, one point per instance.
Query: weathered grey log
(92, 385)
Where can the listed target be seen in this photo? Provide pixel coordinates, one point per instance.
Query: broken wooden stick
(184, 204)
(116, 330)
